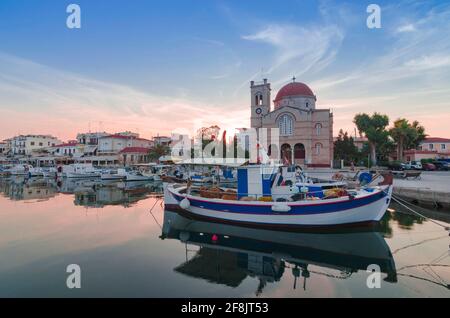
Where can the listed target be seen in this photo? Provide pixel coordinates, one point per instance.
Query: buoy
(185, 204)
(281, 208)
(215, 238)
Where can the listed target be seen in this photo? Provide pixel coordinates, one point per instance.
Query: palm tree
(406, 135)
(157, 151)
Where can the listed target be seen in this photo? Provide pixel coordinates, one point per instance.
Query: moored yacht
(80, 170)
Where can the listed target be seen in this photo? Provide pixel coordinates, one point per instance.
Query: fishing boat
(264, 197)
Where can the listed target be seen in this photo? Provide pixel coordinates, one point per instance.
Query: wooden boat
(265, 198)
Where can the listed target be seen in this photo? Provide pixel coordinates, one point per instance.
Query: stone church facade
(305, 132)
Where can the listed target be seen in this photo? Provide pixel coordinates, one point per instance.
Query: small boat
(111, 175)
(36, 172)
(81, 171)
(19, 170)
(133, 175)
(49, 172)
(198, 177)
(265, 198)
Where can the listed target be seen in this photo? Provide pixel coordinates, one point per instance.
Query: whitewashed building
(27, 144)
(68, 149)
(114, 144)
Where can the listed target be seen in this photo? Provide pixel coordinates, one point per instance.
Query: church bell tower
(260, 102)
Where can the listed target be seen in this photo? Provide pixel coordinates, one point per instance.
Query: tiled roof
(436, 139)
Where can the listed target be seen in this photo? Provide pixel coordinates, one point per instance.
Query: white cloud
(300, 48)
(406, 28)
(429, 62)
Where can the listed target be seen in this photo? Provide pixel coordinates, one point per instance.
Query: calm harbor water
(128, 246)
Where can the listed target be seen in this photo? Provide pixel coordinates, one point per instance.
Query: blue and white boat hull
(365, 208)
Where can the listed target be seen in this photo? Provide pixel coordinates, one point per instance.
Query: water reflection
(228, 254)
(88, 193)
(44, 229)
(28, 189)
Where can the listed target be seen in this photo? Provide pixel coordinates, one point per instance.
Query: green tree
(345, 149)
(406, 135)
(157, 151)
(374, 128)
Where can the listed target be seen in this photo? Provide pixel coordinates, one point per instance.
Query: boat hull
(342, 211)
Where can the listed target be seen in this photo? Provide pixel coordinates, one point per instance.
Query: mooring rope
(398, 200)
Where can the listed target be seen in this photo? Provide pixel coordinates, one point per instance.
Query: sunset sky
(160, 66)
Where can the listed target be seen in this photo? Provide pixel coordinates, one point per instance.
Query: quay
(432, 189)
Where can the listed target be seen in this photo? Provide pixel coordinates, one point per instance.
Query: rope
(398, 200)
(156, 201)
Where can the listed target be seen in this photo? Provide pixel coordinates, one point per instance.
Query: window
(258, 99)
(41, 144)
(318, 148)
(307, 104)
(443, 146)
(32, 143)
(318, 128)
(285, 124)
(431, 146)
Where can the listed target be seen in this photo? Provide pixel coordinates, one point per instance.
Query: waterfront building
(162, 140)
(429, 148)
(134, 155)
(4, 148)
(25, 145)
(114, 144)
(66, 149)
(90, 138)
(436, 144)
(306, 132)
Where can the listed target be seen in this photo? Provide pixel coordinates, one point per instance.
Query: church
(305, 132)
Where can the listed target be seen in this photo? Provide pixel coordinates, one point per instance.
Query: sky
(156, 67)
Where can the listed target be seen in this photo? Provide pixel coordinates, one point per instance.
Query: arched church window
(318, 148)
(286, 125)
(318, 129)
(307, 104)
(258, 99)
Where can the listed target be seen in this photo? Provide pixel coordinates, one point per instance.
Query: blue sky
(157, 66)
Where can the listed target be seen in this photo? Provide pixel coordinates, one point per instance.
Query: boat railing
(218, 193)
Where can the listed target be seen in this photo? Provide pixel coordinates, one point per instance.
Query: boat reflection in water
(228, 254)
(121, 194)
(86, 192)
(20, 188)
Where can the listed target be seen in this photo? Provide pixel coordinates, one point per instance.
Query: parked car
(441, 165)
(429, 167)
(416, 165)
(395, 166)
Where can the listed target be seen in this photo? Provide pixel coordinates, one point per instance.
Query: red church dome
(293, 89)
